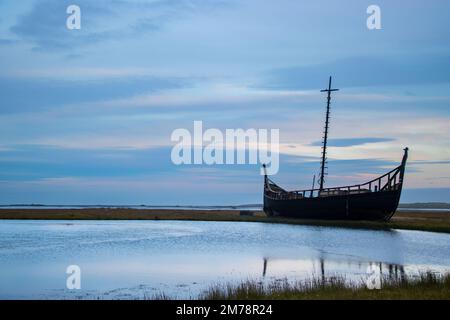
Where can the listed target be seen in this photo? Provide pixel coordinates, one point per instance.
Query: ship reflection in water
(323, 269)
(141, 259)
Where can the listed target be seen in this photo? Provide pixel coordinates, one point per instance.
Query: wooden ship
(374, 200)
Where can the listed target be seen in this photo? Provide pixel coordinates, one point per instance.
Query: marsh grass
(426, 286)
(412, 220)
(158, 296)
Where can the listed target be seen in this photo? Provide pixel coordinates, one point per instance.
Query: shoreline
(436, 221)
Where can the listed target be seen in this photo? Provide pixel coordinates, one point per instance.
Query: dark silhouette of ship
(374, 200)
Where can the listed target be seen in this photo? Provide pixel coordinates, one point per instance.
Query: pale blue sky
(86, 115)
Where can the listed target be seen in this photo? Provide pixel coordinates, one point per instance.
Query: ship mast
(325, 135)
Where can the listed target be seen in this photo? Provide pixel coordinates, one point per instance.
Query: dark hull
(366, 206)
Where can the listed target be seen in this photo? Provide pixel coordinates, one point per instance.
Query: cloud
(37, 93)
(429, 162)
(364, 71)
(39, 173)
(425, 194)
(86, 73)
(45, 24)
(7, 42)
(349, 142)
(107, 113)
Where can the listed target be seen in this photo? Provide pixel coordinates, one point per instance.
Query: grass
(413, 220)
(437, 221)
(427, 286)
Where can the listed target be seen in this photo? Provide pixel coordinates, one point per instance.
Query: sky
(86, 115)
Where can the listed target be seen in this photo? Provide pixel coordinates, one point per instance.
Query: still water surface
(139, 259)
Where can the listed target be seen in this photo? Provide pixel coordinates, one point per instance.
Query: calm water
(138, 259)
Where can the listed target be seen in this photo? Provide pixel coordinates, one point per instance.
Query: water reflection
(323, 269)
(137, 259)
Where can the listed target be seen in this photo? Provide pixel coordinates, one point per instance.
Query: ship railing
(387, 182)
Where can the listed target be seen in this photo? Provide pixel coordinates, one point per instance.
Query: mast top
(329, 90)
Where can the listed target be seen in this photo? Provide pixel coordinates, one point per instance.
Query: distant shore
(436, 221)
